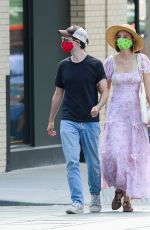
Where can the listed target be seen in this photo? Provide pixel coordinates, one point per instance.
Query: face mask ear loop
(133, 40)
(77, 41)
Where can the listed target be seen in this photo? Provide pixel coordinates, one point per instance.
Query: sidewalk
(54, 217)
(36, 199)
(42, 185)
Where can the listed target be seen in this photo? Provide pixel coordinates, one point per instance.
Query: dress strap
(114, 64)
(140, 67)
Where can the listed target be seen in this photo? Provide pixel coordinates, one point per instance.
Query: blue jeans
(87, 133)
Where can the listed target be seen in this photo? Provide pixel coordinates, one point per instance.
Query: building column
(4, 70)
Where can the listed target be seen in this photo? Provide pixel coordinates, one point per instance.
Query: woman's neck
(126, 62)
(126, 54)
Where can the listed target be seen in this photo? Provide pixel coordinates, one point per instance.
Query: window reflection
(142, 17)
(142, 14)
(17, 117)
(131, 12)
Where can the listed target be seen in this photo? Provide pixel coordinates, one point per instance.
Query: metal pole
(8, 123)
(137, 24)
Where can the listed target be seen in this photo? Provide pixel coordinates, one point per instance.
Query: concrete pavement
(37, 198)
(54, 217)
(42, 185)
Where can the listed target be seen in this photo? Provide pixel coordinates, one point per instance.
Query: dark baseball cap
(76, 32)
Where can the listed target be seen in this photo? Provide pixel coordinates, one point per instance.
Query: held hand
(148, 124)
(50, 129)
(94, 111)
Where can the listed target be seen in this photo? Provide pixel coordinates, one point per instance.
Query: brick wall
(95, 16)
(4, 70)
(116, 14)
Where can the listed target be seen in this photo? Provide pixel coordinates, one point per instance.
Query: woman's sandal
(116, 203)
(127, 206)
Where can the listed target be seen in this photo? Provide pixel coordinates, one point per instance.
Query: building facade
(4, 70)
(30, 51)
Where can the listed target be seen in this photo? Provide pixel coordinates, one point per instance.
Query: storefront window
(131, 12)
(142, 17)
(147, 28)
(17, 117)
(131, 7)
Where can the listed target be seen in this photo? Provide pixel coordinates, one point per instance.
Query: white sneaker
(75, 208)
(95, 205)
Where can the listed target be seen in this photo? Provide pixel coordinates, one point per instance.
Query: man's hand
(50, 129)
(148, 124)
(95, 111)
(56, 102)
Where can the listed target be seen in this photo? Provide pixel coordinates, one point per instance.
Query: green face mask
(124, 43)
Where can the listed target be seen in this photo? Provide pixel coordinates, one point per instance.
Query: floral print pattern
(124, 146)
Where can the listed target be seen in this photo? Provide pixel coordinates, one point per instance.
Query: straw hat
(113, 30)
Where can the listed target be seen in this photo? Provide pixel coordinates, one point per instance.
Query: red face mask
(67, 46)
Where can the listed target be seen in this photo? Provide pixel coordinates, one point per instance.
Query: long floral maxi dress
(124, 145)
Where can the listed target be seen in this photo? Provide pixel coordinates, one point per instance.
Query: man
(78, 79)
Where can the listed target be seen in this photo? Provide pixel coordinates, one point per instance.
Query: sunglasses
(66, 39)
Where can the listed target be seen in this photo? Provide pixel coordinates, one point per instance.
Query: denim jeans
(87, 133)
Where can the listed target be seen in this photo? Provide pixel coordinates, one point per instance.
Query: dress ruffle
(124, 145)
(125, 154)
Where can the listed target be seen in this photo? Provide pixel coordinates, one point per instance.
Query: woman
(125, 147)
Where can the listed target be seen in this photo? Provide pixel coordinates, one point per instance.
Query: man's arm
(103, 90)
(56, 102)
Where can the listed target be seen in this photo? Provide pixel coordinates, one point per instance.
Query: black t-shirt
(79, 82)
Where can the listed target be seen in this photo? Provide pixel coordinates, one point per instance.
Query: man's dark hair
(82, 44)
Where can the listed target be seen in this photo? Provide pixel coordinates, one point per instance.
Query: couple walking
(124, 150)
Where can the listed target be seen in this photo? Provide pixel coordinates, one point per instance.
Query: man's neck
(78, 56)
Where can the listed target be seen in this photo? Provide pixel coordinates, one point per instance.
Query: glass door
(17, 107)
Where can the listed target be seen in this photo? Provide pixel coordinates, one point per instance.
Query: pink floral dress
(124, 147)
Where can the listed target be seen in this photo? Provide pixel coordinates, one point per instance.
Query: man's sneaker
(75, 208)
(95, 205)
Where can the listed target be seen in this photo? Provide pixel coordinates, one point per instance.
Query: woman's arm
(146, 77)
(103, 90)
(109, 84)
